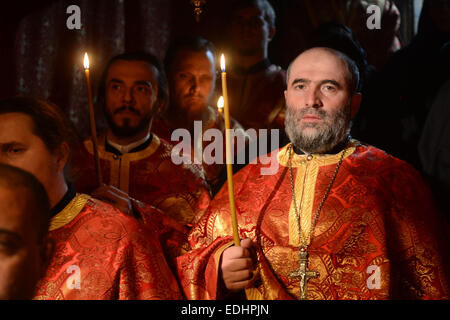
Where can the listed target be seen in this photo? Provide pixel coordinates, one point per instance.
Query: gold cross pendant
(303, 273)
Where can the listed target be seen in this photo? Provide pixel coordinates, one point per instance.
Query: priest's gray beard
(317, 137)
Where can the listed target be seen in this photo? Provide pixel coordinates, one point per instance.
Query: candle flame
(222, 62)
(220, 103)
(86, 61)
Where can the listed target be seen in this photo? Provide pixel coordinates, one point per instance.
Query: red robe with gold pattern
(378, 235)
(149, 176)
(102, 254)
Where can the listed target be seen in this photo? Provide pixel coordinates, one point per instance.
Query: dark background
(40, 56)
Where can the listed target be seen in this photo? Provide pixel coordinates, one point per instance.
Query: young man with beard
(99, 252)
(339, 220)
(190, 65)
(136, 163)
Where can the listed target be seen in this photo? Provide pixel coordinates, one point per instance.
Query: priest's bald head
(321, 99)
(24, 221)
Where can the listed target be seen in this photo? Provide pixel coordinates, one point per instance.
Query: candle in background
(220, 105)
(92, 121)
(228, 158)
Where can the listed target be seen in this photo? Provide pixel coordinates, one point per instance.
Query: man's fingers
(237, 280)
(236, 253)
(237, 286)
(108, 194)
(112, 196)
(117, 191)
(241, 275)
(239, 264)
(246, 243)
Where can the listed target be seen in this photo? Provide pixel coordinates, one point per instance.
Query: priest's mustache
(127, 108)
(310, 111)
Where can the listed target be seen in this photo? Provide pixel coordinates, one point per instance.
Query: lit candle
(220, 105)
(229, 160)
(92, 121)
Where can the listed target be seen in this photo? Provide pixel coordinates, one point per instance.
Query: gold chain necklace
(303, 273)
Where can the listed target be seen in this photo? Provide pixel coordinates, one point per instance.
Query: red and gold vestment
(378, 235)
(102, 254)
(148, 175)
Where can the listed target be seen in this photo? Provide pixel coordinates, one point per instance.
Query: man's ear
(355, 103)
(272, 32)
(62, 154)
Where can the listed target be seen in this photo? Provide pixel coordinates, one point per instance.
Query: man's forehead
(187, 59)
(318, 65)
(135, 70)
(16, 219)
(16, 128)
(14, 211)
(18, 122)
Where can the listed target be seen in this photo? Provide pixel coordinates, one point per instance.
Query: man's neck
(334, 150)
(178, 118)
(123, 141)
(58, 191)
(245, 61)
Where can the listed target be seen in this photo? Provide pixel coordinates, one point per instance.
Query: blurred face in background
(191, 81)
(22, 254)
(250, 32)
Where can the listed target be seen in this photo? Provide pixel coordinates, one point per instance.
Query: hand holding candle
(92, 121)
(229, 159)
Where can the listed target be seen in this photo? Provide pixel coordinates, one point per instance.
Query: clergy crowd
(339, 218)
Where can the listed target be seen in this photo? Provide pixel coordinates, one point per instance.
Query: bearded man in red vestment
(136, 163)
(99, 252)
(339, 219)
(190, 64)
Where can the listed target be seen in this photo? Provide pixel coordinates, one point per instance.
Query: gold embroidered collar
(134, 156)
(69, 212)
(320, 159)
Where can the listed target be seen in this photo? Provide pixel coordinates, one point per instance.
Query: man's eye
(15, 150)
(8, 248)
(142, 89)
(329, 88)
(256, 22)
(115, 87)
(300, 87)
(206, 79)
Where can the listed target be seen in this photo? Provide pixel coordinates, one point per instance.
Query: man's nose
(312, 98)
(194, 86)
(128, 96)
